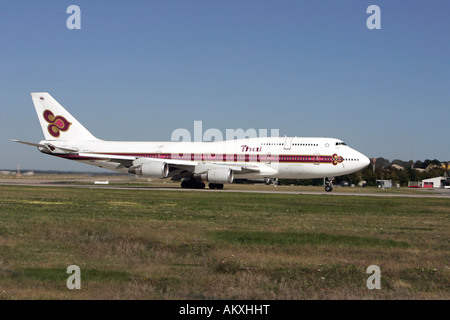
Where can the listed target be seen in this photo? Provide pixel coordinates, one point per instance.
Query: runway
(437, 193)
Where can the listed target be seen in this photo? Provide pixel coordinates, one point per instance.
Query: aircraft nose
(365, 161)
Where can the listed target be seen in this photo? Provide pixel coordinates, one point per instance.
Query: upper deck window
(341, 144)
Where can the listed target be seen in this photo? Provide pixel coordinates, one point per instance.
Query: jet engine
(217, 175)
(151, 169)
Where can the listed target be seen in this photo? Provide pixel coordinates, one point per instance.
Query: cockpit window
(341, 144)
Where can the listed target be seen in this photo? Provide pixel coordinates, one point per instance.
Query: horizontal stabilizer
(30, 143)
(50, 147)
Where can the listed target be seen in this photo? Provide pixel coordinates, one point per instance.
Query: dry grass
(133, 244)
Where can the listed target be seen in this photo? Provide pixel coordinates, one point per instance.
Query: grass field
(125, 180)
(151, 244)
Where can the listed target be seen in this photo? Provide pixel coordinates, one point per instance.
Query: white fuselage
(276, 157)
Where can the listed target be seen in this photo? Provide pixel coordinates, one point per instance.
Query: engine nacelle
(151, 169)
(217, 176)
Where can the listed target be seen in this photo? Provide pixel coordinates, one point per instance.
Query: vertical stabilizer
(56, 122)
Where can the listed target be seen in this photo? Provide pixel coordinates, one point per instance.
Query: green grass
(59, 275)
(148, 244)
(303, 239)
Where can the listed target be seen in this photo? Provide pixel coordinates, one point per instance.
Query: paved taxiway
(438, 193)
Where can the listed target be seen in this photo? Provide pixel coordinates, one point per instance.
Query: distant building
(101, 182)
(414, 184)
(384, 183)
(438, 182)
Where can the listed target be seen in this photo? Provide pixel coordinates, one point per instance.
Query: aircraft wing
(182, 167)
(127, 161)
(254, 168)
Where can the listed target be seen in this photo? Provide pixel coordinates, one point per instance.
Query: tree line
(400, 172)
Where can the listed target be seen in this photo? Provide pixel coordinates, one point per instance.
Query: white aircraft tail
(56, 122)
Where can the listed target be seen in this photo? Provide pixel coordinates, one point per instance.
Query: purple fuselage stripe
(214, 157)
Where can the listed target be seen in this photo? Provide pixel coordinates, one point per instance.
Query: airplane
(194, 163)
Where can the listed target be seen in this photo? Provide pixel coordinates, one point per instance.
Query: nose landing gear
(329, 185)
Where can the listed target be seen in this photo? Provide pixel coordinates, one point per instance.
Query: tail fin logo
(56, 124)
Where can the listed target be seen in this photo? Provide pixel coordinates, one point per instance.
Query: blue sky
(138, 70)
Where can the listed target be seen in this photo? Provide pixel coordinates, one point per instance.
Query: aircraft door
(288, 143)
(316, 159)
(268, 158)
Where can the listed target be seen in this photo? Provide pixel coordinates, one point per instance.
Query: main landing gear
(192, 184)
(197, 184)
(216, 186)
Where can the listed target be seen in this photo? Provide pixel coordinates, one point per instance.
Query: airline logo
(336, 159)
(246, 148)
(56, 124)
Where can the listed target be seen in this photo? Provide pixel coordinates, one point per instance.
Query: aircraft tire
(200, 185)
